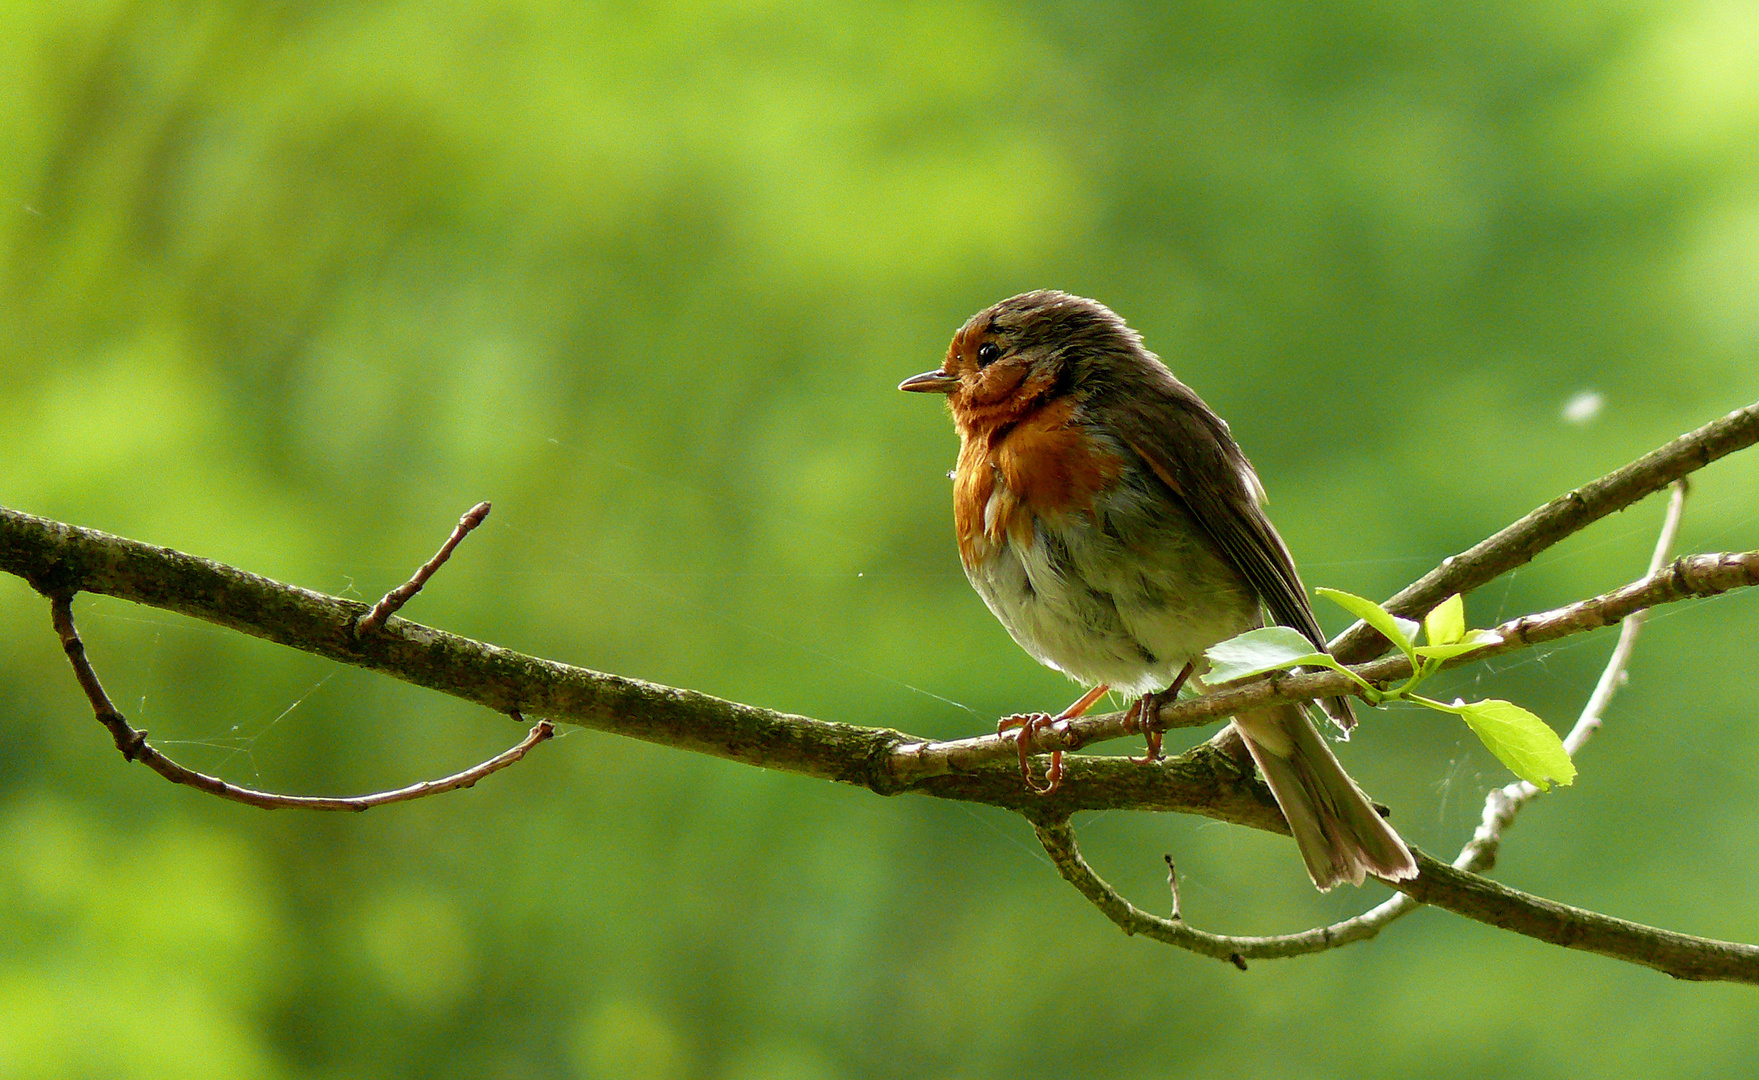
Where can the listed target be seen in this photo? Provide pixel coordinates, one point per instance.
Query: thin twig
(1502, 804)
(1568, 513)
(402, 594)
(134, 746)
(1058, 839)
(1681, 955)
(1691, 576)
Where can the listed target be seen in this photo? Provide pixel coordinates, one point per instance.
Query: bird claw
(1133, 724)
(1030, 724)
(1153, 753)
(1136, 719)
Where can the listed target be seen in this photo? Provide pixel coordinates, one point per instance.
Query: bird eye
(988, 353)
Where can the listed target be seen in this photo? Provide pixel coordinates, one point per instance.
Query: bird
(1110, 522)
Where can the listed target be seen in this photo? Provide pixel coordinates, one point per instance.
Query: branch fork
(61, 560)
(132, 742)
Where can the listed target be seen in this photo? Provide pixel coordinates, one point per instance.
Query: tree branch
(1680, 955)
(132, 742)
(1478, 856)
(1693, 576)
(1557, 519)
(59, 560)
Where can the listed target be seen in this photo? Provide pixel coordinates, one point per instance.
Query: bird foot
(1030, 724)
(1145, 708)
(1133, 723)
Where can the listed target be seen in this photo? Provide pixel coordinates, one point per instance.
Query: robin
(1109, 520)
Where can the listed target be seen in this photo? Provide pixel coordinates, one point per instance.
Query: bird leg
(1133, 724)
(1146, 708)
(1032, 723)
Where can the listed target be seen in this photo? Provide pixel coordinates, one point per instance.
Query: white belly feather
(1080, 600)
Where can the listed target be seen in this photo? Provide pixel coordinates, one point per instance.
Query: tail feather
(1339, 833)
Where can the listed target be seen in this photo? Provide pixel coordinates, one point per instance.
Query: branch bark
(1680, 955)
(133, 745)
(60, 560)
(1561, 517)
(1479, 854)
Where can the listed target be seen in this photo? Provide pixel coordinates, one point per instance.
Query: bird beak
(930, 382)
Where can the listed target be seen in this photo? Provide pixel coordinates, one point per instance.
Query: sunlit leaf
(1446, 622)
(1472, 642)
(1520, 740)
(1269, 648)
(1400, 632)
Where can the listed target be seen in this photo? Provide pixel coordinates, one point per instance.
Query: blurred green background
(291, 286)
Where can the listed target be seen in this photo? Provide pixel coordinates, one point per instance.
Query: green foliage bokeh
(291, 286)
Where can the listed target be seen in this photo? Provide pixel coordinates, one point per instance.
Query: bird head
(1020, 354)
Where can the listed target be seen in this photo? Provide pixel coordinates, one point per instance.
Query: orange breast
(1042, 466)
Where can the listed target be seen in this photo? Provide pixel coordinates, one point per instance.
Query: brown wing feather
(1188, 447)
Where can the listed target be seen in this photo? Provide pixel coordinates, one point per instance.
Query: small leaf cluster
(1519, 739)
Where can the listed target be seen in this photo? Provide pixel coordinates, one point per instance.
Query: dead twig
(1502, 804)
(1058, 840)
(134, 746)
(1681, 955)
(1689, 576)
(1476, 857)
(402, 594)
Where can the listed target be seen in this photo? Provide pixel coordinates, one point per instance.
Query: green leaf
(1446, 622)
(1269, 648)
(1396, 630)
(1473, 641)
(1520, 740)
